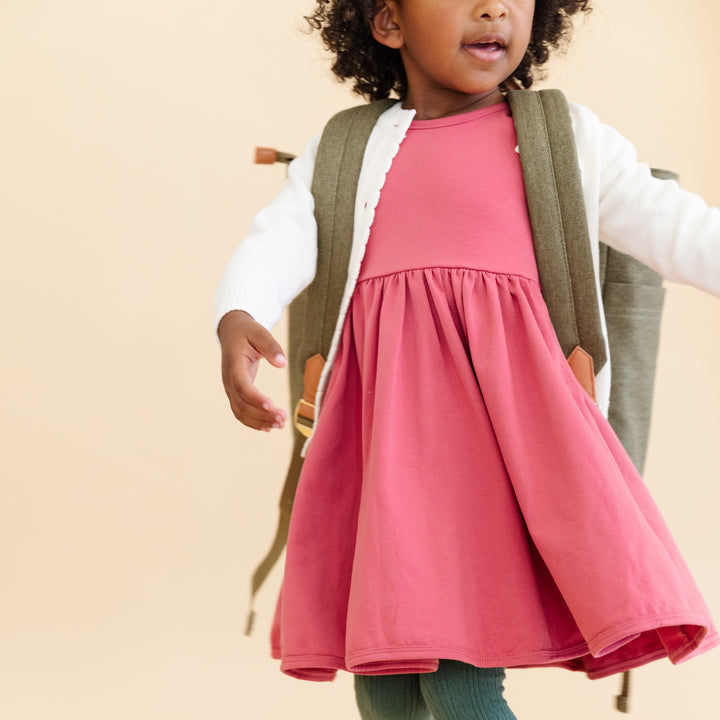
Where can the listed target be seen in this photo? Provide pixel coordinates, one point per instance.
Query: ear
(384, 27)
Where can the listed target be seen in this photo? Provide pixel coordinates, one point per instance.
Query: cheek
(526, 16)
(525, 36)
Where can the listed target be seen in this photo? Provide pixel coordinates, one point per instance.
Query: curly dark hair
(345, 27)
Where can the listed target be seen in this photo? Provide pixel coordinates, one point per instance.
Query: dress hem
(425, 659)
(666, 625)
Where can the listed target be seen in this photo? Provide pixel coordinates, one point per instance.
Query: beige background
(133, 506)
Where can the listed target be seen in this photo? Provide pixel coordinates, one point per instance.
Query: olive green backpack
(632, 293)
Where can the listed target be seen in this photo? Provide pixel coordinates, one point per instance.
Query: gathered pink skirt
(463, 498)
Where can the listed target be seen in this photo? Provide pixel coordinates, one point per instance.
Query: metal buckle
(304, 422)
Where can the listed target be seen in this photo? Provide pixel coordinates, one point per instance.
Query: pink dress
(463, 498)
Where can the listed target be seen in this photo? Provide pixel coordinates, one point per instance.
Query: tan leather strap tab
(313, 370)
(265, 156)
(581, 363)
(304, 417)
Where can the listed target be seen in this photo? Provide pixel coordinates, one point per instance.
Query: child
(464, 505)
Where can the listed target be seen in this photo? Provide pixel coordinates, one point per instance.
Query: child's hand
(244, 343)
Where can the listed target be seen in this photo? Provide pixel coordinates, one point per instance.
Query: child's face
(456, 53)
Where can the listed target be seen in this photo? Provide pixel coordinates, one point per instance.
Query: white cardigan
(669, 229)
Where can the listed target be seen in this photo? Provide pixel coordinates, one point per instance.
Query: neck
(428, 107)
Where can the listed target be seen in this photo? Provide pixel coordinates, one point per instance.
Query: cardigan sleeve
(656, 221)
(277, 258)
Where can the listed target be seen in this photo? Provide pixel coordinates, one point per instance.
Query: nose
(490, 9)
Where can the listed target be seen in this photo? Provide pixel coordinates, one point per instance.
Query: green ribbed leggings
(456, 691)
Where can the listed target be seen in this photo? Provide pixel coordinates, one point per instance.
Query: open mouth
(488, 46)
(488, 49)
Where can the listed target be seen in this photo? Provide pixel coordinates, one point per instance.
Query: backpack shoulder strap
(559, 225)
(314, 313)
(334, 187)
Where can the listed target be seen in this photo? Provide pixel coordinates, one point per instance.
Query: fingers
(245, 343)
(248, 404)
(267, 346)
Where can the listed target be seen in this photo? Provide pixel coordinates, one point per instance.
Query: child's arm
(668, 228)
(276, 259)
(244, 343)
(269, 268)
